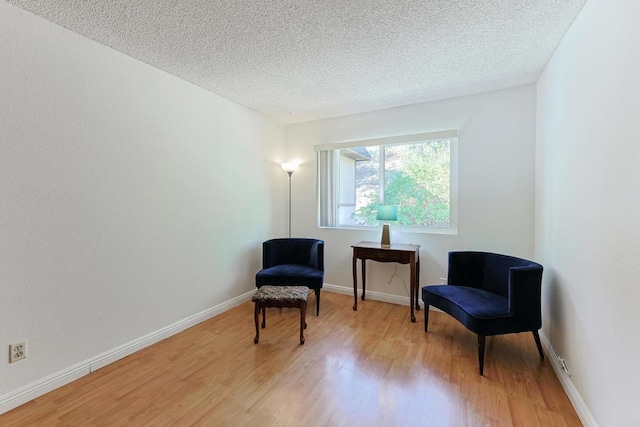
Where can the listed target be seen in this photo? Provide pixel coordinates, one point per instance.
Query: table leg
(417, 283)
(355, 283)
(412, 280)
(364, 277)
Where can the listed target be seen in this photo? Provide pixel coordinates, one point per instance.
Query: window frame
(323, 181)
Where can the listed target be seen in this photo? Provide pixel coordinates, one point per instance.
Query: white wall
(129, 199)
(588, 206)
(495, 186)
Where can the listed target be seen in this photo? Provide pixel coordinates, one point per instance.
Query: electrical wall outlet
(563, 363)
(17, 351)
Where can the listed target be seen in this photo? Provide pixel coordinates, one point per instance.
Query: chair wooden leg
(256, 314)
(317, 302)
(538, 344)
(481, 352)
(264, 317)
(426, 317)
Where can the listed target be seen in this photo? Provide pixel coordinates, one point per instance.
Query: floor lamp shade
(386, 213)
(289, 167)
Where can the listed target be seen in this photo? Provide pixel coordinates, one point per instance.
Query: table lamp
(386, 213)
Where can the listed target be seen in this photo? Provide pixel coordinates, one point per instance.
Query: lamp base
(386, 239)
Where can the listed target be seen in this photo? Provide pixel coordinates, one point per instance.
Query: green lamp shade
(387, 213)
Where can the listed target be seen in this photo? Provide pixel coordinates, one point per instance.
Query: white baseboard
(568, 386)
(38, 388)
(43, 386)
(131, 347)
(377, 296)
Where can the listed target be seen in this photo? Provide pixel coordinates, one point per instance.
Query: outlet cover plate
(17, 351)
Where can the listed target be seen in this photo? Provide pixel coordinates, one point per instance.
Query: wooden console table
(403, 254)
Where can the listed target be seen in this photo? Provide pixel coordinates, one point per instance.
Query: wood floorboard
(372, 367)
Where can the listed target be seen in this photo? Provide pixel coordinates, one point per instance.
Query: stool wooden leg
(256, 313)
(303, 321)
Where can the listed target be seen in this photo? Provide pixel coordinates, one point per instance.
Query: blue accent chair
(293, 262)
(490, 294)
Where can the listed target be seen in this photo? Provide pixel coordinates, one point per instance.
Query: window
(416, 173)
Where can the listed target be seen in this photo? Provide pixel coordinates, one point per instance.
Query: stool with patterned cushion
(280, 296)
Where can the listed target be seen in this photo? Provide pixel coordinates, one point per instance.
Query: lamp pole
(289, 173)
(289, 168)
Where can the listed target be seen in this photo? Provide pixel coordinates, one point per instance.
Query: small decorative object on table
(280, 296)
(386, 213)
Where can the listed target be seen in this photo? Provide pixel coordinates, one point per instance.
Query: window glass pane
(417, 180)
(367, 186)
(359, 184)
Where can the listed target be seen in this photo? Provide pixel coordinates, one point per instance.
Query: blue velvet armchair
(490, 294)
(293, 262)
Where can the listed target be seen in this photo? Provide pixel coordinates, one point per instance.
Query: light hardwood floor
(366, 368)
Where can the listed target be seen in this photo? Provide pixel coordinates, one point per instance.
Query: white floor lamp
(289, 168)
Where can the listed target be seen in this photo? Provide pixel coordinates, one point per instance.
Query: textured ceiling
(299, 60)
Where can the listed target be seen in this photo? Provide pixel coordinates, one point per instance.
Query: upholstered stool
(280, 296)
